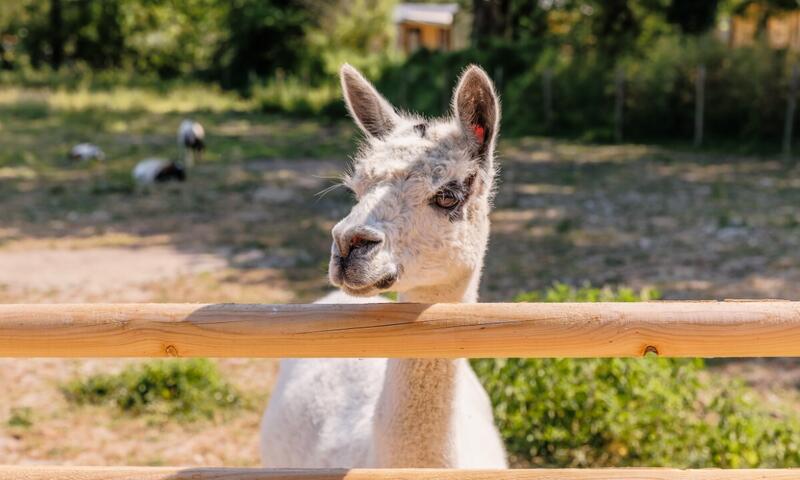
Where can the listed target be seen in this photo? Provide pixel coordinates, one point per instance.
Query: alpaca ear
(477, 109)
(372, 113)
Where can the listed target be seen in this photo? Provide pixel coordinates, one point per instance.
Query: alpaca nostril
(355, 241)
(358, 242)
(361, 239)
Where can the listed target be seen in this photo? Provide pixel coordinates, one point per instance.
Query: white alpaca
(420, 228)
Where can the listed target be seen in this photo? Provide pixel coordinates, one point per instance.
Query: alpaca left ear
(477, 109)
(372, 113)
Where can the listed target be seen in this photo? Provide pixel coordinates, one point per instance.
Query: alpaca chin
(361, 281)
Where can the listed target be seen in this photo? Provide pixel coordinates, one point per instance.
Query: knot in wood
(650, 349)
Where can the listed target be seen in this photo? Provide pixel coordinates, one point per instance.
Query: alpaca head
(423, 189)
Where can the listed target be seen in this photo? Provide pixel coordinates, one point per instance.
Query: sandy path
(59, 429)
(89, 274)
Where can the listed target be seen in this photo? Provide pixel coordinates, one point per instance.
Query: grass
(38, 126)
(21, 417)
(625, 215)
(179, 389)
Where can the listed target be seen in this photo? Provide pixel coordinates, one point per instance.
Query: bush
(295, 97)
(745, 89)
(187, 389)
(630, 412)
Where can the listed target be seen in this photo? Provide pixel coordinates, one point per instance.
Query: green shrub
(561, 292)
(630, 412)
(745, 89)
(187, 389)
(297, 98)
(21, 417)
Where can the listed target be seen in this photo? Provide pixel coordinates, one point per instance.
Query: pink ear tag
(480, 133)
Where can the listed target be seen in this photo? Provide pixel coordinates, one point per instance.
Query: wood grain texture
(675, 329)
(168, 473)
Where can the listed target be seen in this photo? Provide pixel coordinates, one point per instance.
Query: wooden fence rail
(732, 328)
(170, 473)
(675, 329)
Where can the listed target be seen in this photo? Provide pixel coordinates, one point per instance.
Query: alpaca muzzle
(359, 263)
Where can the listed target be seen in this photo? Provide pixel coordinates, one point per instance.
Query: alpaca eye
(446, 199)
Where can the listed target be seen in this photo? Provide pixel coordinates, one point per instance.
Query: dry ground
(248, 227)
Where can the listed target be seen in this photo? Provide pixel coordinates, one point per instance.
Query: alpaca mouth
(354, 286)
(383, 284)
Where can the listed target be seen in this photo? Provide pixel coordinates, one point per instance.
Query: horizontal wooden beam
(169, 473)
(674, 329)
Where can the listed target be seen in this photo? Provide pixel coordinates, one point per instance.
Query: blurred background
(647, 152)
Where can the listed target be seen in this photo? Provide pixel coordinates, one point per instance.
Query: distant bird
(191, 138)
(157, 170)
(86, 151)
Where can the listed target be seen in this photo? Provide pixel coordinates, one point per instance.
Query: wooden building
(435, 26)
(781, 30)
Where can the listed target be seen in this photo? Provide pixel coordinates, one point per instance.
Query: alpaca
(420, 227)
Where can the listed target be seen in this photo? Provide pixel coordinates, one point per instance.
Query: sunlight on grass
(295, 97)
(183, 389)
(182, 99)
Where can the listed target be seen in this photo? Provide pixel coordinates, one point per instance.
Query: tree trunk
(56, 34)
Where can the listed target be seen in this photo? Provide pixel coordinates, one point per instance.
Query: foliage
(234, 43)
(743, 89)
(167, 38)
(286, 54)
(561, 292)
(359, 32)
(294, 97)
(630, 412)
(691, 16)
(261, 37)
(187, 389)
(20, 418)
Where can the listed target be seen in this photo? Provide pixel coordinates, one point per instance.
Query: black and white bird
(86, 151)
(191, 141)
(157, 170)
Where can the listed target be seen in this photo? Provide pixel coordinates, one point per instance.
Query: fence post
(619, 91)
(547, 97)
(790, 107)
(699, 104)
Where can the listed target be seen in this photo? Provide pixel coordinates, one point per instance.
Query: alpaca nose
(357, 241)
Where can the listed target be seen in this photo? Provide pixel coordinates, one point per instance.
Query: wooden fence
(674, 329)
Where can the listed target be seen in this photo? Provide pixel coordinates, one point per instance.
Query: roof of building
(433, 13)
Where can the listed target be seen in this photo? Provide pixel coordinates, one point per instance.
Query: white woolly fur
(400, 412)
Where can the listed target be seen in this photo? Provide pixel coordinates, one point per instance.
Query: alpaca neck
(414, 417)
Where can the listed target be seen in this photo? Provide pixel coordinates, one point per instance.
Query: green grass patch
(183, 389)
(630, 412)
(20, 417)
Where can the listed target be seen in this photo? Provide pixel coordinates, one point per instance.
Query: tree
(691, 16)
(511, 20)
(56, 34)
(262, 37)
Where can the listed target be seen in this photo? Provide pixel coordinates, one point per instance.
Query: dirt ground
(249, 226)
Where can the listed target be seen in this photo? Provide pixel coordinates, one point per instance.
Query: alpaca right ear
(372, 113)
(477, 109)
